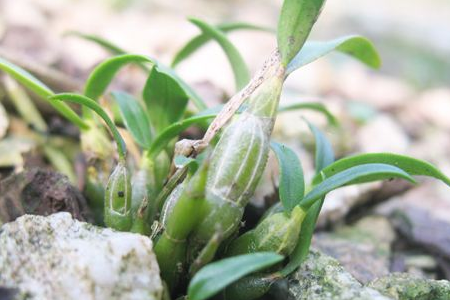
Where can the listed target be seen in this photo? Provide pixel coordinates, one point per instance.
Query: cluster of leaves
(157, 117)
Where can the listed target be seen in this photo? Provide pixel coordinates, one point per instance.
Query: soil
(40, 192)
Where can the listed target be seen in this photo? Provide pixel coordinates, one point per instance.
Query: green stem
(85, 101)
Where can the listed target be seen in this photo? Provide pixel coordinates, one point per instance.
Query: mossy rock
(321, 277)
(403, 286)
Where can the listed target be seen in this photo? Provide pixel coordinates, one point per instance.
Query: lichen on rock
(404, 286)
(57, 257)
(363, 248)
(321, 277)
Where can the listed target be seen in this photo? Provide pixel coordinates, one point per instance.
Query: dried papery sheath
(140, 183)
(118, 199)
(170, 202)
(239, 159)
(142, 197)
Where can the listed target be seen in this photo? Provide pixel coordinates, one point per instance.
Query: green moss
(402, 286)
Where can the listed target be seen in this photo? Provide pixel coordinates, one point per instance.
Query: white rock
(4, 122)
(57, 257)
(382, 92)
(432, 107)
(382, 134)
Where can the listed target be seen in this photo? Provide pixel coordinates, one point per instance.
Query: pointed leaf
(319, 107)
(140, 60)
(166, 101)
(40, 89)
(361, 173)
(25, 78)
(357, 47)
(324, 156)
(410, 165)
(292, 184)
(114, 49)
(198, 102)
(93, 105)
(296, 20)
(135, 118)
(201, 39)
(103, 74)
(173, 131)
(324, 152)
(214, 277)
(240, 70)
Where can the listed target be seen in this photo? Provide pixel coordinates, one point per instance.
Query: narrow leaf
(296, 20)
(25, 78)
(364, 173)
(357, 47)
(324, 152)
(173, 131)
(319, 107)
(93, 105)
(201, 39)
(24, 105)
(166, 101)
(198, 102)
(117, 50)
(135, 118)
(103, 74)
(410, 165)
(216, 276)
(40, 89)
(240, 70)
(324, 156)
(292, 184)
(112, 48)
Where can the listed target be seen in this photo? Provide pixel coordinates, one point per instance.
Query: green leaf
(301, 251)
(114, 49)
(214, 277)
(40, 89)
(292, 184)
(410, 165)
(296, 20)
(356, 46)
(173, 131)
(166, 101)
(182, 161)
(103, 74)
(319, 107)
(93, 105)
(361, 173)
(198, 102)
(240, 70)
(201, 39)
(324, 156)
(135, 118)
(24, 106)
(25, 78)
(324, 151)
(107, 70)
